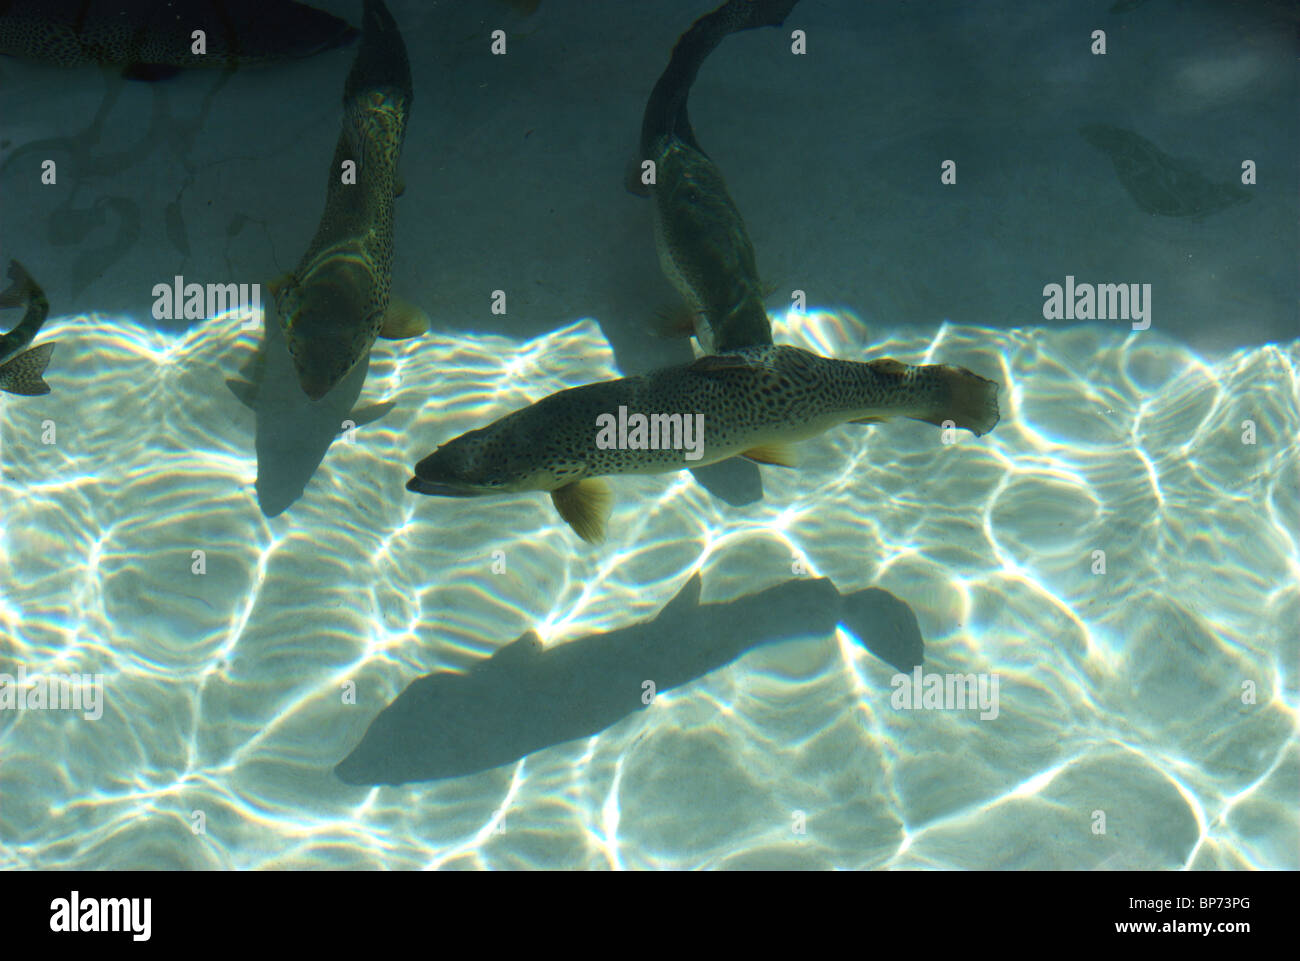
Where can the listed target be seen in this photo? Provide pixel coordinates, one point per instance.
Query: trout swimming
(703, 247)
(751, 402)
(334, 304)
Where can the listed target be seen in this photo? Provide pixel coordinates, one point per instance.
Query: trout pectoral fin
(403, 319)
(870, 420)
(371, 413)
(782, 455)
(585, 507)
(675, 321)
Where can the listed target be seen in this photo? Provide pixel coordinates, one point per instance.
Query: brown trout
(333, 306)
(750, 402)
(704, 249)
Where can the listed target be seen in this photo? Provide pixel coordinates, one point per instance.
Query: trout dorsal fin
(887, 365)
(721, 363)
(585, 507)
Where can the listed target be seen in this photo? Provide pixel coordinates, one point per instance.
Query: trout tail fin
(22, 374)
(665, 112)
(963, 398)
(381, 62)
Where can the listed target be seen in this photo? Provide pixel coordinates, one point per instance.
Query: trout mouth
(442, 489)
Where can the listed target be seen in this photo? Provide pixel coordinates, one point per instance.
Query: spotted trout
(334, 304)
(152, 39)
(751, 402)
(703, 247)
(21, 369)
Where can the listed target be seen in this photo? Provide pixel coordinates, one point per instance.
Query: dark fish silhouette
(524, 699)
(1157, 182)
(293, 432)
(152, 39)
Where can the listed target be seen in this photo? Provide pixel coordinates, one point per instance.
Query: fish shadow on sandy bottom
(524, 699)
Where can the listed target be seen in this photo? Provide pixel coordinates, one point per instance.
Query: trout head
(325, 328)
(491, 460)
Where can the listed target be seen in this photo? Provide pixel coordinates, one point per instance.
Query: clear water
(1146, 712)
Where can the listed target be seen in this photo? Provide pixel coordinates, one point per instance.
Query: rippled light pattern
(1120, 692)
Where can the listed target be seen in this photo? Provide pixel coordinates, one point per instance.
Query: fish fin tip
(781, 455)
(713, 363)
(887, 365)
(371, 412)
(22, 374)
(676, 321)
(585, 506)
(403, 320)
(971, 404)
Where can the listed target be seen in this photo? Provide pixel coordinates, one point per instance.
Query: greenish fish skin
(703, 247)
(332, 308)
(142, 34)
(20, 369)
(752, 398)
